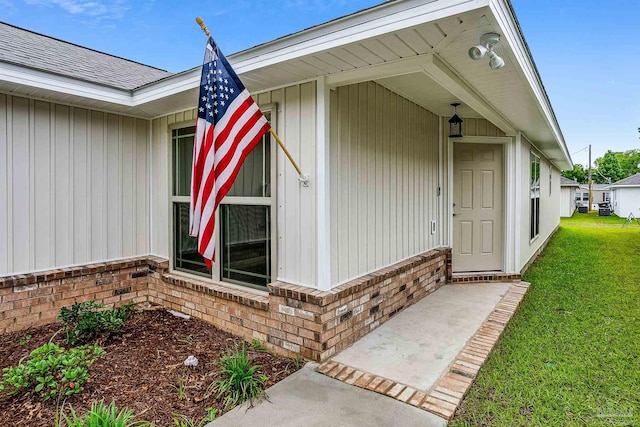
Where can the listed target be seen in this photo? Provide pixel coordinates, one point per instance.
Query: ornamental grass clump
(239, 380)
(101, 415)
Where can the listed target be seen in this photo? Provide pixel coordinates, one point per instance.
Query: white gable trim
(502, 18)
(388, 17)
(56, 83)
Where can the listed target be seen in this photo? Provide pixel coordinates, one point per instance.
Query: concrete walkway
(417, 345)
(437, 345)
(310, 399)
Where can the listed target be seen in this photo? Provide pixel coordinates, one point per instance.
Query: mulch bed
(141, 370)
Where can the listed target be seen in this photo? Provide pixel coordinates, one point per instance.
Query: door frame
(509, 188)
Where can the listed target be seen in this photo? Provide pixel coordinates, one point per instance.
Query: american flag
(229, 126)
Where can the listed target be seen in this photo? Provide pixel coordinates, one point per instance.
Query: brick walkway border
(447, 393)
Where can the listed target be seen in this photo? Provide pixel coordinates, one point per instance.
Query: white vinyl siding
(477, 127)
(74, 185)
(549, 204)
(567, 201)
(295, 213)
(384, 179)
(626, 201)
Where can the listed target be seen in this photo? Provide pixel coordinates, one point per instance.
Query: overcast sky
(586, 51)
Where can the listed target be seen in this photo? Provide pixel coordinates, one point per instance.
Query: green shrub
(51, 370)
(258, 346)
(180, 420)
(239, 380)
(86, 321)
(101, 415)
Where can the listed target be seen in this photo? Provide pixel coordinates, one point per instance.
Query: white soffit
(424, 91)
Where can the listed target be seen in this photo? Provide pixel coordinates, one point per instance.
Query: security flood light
(487, 42)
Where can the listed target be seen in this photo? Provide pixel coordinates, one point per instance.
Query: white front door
(478, 207)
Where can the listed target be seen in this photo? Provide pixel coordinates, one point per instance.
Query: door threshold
(484, 276)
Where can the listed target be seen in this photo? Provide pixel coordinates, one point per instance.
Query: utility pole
(590, 181)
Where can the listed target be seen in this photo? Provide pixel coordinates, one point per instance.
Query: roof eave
(384, 18)
(506, 20)
(29, 77)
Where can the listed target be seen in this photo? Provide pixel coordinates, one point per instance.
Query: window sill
(228, 291)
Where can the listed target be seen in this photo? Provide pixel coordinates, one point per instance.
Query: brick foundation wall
(292, 320)
(35, 299)
(339, 317)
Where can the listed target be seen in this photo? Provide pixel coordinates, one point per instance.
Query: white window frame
(270, 110)
(550, 179)
(534, 217)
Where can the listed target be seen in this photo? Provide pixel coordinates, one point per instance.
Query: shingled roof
(28, 49)
(632, 180)
(566, 182)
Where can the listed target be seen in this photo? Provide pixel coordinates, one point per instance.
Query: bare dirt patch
(141, 370)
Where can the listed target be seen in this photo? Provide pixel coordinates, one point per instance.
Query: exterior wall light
(455, 123)
(487, 41)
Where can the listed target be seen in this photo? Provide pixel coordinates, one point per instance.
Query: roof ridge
(82, 47)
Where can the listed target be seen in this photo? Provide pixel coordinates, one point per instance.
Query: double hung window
(535, 196)
(244, 223)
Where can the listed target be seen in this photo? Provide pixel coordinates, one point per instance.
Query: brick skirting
(35, 299)
(292, 320)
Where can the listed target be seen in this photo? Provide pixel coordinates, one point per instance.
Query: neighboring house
(625, 196)
(95, 155)
(600, 194)
(568, 198)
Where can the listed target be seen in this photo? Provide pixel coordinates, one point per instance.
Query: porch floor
(429, 353)
(416, 367)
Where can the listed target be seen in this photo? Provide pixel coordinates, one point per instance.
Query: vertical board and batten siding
(73, 187)
(296, 213)
(161, 171)
(296, 216)
(384, 179)
(567, 201)
(549, 203)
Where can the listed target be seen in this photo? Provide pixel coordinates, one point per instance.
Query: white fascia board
(65, 85)
(53, 82)
(168, 86)
(373, 22)
(386, 18)
(502, 17)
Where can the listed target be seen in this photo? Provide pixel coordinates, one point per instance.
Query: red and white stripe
(218, 153)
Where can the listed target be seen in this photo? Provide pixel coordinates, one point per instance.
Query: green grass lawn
(593, 220)
(571, 354)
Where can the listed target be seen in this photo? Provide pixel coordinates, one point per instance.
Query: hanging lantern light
(455, 123)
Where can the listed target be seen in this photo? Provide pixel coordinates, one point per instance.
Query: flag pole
(304, 179)
(203, 26)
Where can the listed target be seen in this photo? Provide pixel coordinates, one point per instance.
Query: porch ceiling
(512, 98)
(424, 91)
